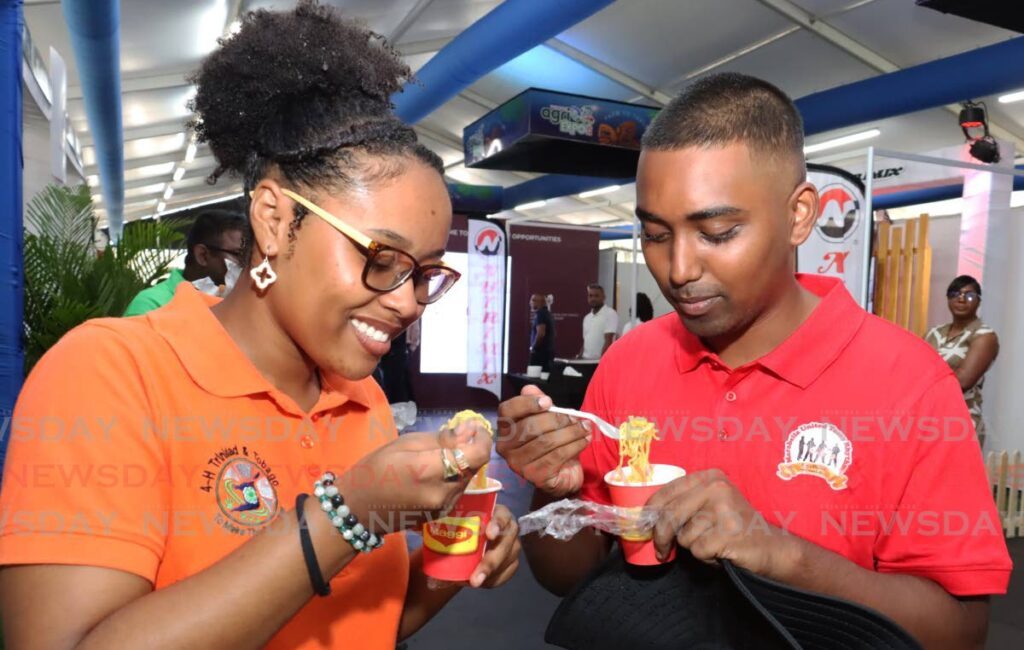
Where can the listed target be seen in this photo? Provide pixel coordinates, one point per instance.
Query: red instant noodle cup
(454, 545)
(637, 545)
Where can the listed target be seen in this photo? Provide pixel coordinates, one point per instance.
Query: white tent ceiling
(634, 50)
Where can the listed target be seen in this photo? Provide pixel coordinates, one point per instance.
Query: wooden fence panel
(906, 273)
(902, 264)
(919, 318)
(1006, 475)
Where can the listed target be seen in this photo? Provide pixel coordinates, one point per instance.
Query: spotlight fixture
(974, 124)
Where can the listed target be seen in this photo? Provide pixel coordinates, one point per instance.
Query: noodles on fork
(635, 437)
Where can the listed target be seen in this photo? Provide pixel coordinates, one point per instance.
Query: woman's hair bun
(291, 86)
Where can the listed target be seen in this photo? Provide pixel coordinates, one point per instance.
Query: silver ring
(460, 459)
(451, 472)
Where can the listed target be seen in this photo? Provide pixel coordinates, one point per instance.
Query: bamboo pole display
(892, 281)
(902, 264)
(906, 273)
(881, 272)
(919, 318)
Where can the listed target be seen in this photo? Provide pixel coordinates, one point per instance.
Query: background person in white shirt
(599, 326)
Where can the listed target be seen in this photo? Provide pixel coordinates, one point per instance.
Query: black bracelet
(320, 587)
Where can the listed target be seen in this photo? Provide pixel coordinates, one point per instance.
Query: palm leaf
(67, 281)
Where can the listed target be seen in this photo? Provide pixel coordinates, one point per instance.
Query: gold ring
(451, 472)
(460, 459)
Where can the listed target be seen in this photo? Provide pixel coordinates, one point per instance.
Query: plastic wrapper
(404, 414)
(564, 519)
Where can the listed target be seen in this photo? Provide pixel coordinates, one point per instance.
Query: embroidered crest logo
(817, 449)
(245, 494)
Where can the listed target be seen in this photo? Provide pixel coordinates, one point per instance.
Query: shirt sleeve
(945, 526)
(83, 483)
(611, 322)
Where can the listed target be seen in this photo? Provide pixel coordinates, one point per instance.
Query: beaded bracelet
(332, 503)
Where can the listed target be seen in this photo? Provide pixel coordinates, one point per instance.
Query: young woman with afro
(226, 474)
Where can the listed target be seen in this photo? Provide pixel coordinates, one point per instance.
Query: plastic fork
(607, 429)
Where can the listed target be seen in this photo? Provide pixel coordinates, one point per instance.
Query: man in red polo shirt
(825, 448)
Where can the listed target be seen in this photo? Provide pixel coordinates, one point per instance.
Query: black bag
(689, 605)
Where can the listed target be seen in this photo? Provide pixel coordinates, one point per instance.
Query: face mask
(231, 277)
(207, 286)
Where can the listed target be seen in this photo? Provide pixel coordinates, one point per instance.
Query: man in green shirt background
(216, 239)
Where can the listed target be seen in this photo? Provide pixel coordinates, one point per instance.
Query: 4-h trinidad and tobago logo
(488, 241)
(245, 494)
(817, 449)
(838, 211)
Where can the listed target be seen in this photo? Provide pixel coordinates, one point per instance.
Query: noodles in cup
(635, 437)
(479, 480)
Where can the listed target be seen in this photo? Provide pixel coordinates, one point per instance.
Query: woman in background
(644, 312)
(967, 344)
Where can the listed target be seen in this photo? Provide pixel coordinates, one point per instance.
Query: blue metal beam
(12, 354)
(511, 28)
(94, 26)
(977, 73)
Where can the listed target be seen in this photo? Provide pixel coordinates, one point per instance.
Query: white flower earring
(263, 275)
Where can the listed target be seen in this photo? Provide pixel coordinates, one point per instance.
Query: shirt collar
(216, 363)
(174, 278)
(809, 350)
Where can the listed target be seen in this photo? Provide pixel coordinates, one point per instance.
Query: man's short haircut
(210, 225)
(721, 109)
(594, 285)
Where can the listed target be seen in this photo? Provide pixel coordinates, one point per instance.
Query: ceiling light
(841, 141)
(974, 124)
(1012, 97)
(136, 115)
(531, 205)
(179, 173)
(160, 206)
(190, 153)
(972, 116)
(168, 193)
(599, 191)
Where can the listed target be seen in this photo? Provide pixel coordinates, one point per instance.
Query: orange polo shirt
(153, 445)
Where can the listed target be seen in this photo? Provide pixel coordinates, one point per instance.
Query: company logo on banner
(488, 242)
(838, 211)
(837, 245)
(487, 250)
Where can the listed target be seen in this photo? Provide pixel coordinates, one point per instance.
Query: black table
(564, 390)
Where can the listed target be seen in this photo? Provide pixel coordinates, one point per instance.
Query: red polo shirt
(852, 434)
